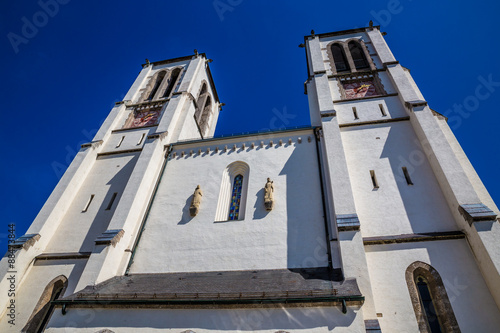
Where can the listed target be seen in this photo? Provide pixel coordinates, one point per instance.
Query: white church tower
(372, 219)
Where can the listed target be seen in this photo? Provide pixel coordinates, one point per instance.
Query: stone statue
(195, 204)
(269, 195)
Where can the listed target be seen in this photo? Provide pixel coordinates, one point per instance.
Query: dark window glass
(158, 81)
(339, 58)
(171, 82)
(428, 305)
(358, 56)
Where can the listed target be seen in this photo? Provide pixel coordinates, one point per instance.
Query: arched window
(233, 192)
(156, 86)
(234, 207)
(339, 58)
(203, 109)
(358, 55)
(205, 115)
(429, 298)
(44, 308)
(171, 82)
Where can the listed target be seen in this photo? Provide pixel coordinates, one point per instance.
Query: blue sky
(61, 78)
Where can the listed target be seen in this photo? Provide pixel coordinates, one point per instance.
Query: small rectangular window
(382, 110)
(374, 179)
(88, 203)
(120, 142)
(111, 201)
(142, 138)
(355, 113)
(407, 176)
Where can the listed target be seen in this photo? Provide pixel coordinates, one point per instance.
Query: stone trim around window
(442, 304)
(347, 53)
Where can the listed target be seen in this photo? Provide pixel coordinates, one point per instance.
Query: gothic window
(234, 208)
(233, 192)
(171, 82)
(358, 55)
(156, 86)
(430, 301)
(43, 310)
(203, 109)
(339, 58)
(205, 115)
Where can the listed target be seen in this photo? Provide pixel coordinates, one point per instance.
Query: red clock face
(145, 118)
(359, 89)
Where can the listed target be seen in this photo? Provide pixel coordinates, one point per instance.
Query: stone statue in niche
(195, 204)
(269, 195)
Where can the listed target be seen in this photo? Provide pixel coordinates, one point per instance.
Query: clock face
(145, 118)
(359, 89)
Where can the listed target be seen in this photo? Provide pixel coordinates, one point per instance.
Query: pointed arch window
(430, 301)
(156, 86)
(358, 55)
(171, 82)
(339, 58)
(44, 308)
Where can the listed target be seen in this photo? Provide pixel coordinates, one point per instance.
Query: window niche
(349, 56)
(233, 192)
(430, 301)
(43, 309)
(203, 111)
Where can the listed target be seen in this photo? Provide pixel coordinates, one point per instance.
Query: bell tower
(96, 210)
(394, 173)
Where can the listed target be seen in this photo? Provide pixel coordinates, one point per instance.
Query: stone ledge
(108, 237)
(410, 238)
(347, 222)
(372, 326)
(477, 213)
(25, 242)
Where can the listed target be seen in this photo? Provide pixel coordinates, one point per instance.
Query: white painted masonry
(121, 211)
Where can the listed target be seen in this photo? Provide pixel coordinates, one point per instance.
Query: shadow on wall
(219, 320)
(186, 216)
(104, 215)
(260, 211)
(403, 149)
(306, 235)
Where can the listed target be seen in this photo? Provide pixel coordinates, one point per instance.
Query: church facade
(371, 219)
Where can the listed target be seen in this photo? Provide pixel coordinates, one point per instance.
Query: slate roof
(310, 284)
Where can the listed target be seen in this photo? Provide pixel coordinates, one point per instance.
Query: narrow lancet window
(156, 86)
(339, 58)
(358, 56)
(428, 305)
(407, 176)
(374, 179)
(234, 208)
(382, 111)
(172, 82)
(87, 205)
(355, 113)
(111, 201)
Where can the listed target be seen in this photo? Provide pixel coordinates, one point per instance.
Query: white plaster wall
(395, 207)
(291, 235)
(31, 288)
(78, 230)
(472, 303)
(369, 110)
(130, 141)
(268, 320)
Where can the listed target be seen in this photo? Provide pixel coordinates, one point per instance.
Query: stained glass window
(234, 208)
